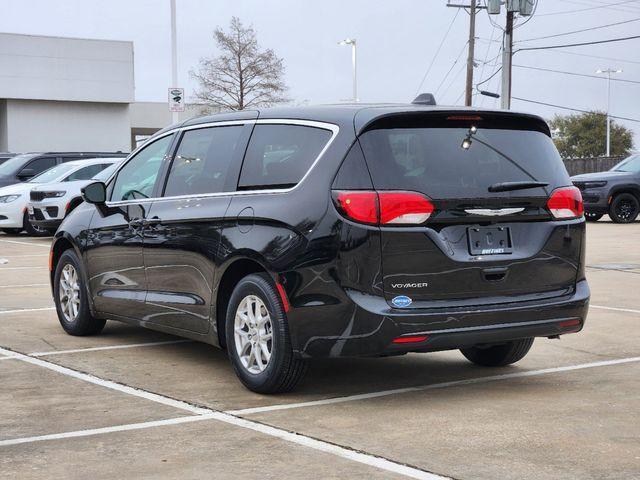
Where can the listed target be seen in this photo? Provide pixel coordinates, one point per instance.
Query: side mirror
(26, 173)
(95, 193)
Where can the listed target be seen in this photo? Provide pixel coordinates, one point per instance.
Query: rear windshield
(435, 162)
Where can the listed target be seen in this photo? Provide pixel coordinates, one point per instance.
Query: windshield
(53, 173)
(14, 163)
(629, 164)
(106, 173)
(439, 163)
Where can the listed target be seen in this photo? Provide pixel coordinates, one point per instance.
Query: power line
(572, 109)
(452, 67)
(624, 8)
(433, 60)
(596, 56)
(586, 9)
(580, 31)
(577, 74)
(548, 47)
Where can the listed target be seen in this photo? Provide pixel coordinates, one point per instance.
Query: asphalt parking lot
(139, 404)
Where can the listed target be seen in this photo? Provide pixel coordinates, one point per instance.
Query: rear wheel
(499, 355)
(592, 217)
(71, 298)
(258, 339)
(624, 208)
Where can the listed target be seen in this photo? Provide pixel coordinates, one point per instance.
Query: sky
(397, 41)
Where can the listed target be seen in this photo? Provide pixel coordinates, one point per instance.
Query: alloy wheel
(626, 209)
(69, 292)
(253, 334)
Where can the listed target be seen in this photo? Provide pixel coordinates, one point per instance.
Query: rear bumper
(371, 326)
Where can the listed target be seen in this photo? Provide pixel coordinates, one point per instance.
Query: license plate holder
(489, 240)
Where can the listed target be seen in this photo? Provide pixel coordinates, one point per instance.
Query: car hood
(74, 185)
(18, 188)
(599, 176)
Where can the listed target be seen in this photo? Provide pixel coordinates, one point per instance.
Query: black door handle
(495, 275)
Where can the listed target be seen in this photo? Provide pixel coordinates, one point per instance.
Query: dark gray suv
(616, 192)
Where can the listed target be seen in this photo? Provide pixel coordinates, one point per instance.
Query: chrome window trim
(334, 129)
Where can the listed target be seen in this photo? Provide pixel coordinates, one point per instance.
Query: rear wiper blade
(511, 186)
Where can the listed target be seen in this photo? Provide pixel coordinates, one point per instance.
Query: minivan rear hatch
(491, 236)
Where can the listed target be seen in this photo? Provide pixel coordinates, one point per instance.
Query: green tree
(585, 135)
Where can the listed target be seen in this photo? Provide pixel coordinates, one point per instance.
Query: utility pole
(174, 56)
(507, 56)
(608, 72)
(473, 8)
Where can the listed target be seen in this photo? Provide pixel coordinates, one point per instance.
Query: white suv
(50, 203)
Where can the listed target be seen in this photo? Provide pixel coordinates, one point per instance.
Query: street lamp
(352, 42)
(608, 72)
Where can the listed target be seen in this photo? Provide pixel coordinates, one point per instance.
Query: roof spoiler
(425, 99)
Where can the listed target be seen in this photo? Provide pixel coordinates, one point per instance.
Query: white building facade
(68, 94)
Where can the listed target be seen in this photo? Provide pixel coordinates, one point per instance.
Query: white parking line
(99, 431)
(39, 267)
(433, 386)
(26, 243)
(29, 285)
(206, 413)
(30, 255)
(27, 310)
(107, 347)
(615, 309)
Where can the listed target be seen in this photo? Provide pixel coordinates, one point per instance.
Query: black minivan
(351, 230)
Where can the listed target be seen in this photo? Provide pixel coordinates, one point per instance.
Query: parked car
(14, 199)
(25, 166)
(336, 231)
(4, 156)
(616, 192)
(49, 203)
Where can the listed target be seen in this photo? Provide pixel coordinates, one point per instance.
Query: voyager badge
(401, 301)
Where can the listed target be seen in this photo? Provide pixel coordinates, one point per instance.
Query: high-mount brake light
(384, 207)
(566, 203)
(470, 118)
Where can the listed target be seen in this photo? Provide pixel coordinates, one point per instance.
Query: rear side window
(85, 173)
(39, 165)
(432, 160)
(202, 161)
(280, 155)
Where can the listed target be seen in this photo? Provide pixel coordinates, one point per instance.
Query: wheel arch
(61, 243)
(631, 188)
(233, 271)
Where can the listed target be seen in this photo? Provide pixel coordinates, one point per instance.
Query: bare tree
(242, 76)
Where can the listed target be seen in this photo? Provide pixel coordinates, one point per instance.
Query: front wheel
(624, 208)
(34, 230)
(499, 355)
(258, 339)
(71, 298)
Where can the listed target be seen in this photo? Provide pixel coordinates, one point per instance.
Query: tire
(78, 321)
(283, 370)
(499, 355)
(32, 229)
(592, 217)
(624, 208)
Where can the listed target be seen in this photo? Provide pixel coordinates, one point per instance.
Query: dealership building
(68, 94)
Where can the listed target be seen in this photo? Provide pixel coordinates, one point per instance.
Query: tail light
(384, 208)
(565, 203)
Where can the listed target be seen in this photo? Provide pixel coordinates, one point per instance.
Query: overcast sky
(397, 40)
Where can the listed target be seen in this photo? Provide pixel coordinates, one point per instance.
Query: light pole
(608, 72)
(174, 56)
(352, 42)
